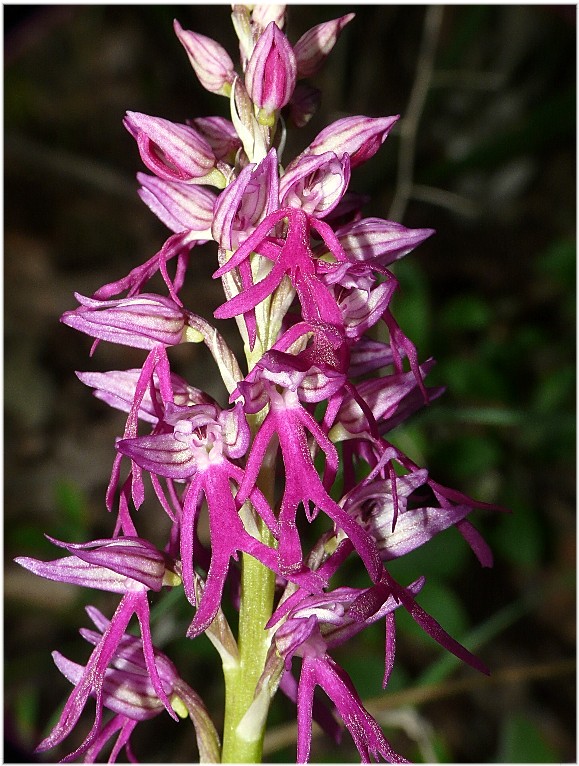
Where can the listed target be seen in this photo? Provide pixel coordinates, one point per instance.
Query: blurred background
(485, 154)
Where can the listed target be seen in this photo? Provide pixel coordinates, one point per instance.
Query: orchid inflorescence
(303, 433)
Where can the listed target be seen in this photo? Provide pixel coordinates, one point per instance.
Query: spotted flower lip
(270, 76)
(211, 62)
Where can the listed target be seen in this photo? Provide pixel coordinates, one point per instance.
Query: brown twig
(409, 125)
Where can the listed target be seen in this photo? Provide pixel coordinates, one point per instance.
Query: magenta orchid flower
(313, 626)
(128, 691)
(129, 566)
(298, 433)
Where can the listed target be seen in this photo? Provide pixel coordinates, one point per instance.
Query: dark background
(491, 296)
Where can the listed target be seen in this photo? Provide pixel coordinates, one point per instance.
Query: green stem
(257, 590)
(245, 744)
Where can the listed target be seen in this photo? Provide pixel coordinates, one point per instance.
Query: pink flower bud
(142, 322)
(271, 72)
(172, 151)
(209, 59)
(359, 136)
(315, 183)
(314, 46)
(377, 241)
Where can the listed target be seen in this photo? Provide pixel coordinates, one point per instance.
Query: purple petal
(180, 206)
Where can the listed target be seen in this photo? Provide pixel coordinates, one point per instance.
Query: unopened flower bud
(270, 77)
(143, 321)
(173, 151)
(359, 136)
(380, 242)
(209, 59)
(314, 46)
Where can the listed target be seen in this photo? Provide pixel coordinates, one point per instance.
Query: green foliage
(522, 741)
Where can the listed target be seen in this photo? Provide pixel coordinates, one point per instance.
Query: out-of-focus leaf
(464, 313)
(519, 536)
(523, 742)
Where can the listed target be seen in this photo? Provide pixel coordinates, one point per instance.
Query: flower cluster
(303, 431)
